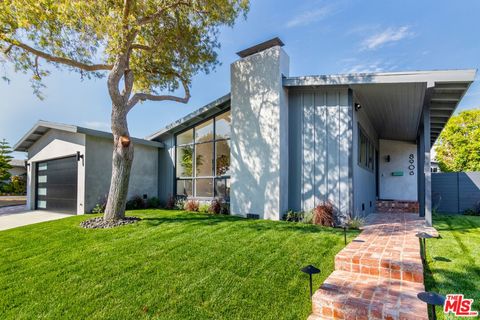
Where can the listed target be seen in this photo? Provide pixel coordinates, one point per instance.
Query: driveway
(6, 201)
(17, 216)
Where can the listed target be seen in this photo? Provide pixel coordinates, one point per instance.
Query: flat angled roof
(194, 117)
(42, 127)
(462, 75)
(442, 89)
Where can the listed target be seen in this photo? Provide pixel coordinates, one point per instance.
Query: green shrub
(355, 222)
(19, 184)
(294, 216)
(225, 209)
(135, 203)
(308, 217)
(98, 208)
(204, 207)
(153, 203)
(7, 188)
(179, 204)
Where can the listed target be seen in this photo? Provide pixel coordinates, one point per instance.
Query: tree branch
(147, 96)
(7, 51)
(141, 47)
(61, 60)
(151, 18)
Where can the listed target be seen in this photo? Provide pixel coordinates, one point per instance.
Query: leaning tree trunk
(121, 165)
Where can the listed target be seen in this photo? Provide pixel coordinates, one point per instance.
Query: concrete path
(378, 275)
(16, 218)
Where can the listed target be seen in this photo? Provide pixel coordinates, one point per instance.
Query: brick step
(348, 295)
(396, 206)
(376, 264)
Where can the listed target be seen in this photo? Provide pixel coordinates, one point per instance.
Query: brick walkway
(378, 275)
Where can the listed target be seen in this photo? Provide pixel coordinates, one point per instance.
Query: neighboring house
(18, 167)
(276, 142)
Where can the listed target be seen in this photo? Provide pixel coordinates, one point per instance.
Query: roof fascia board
(438, 76)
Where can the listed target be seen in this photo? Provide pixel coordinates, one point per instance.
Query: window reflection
(204, 132)
(222, 126)
(185, 161)
(223, 157)
(184, 188)
(203, 159)
(185, 137)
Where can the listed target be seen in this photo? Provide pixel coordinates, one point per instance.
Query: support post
(427, 166)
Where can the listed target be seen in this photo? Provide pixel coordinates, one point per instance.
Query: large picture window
(203, 159)
(366, 150)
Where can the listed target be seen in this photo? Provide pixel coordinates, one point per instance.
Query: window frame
(369, 162)
(213, 177)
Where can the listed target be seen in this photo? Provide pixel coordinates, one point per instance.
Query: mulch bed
(99, 223)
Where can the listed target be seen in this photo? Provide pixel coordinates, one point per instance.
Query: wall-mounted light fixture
(79, 156)
(357, 106)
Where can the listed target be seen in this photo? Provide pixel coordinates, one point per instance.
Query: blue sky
(321, 37)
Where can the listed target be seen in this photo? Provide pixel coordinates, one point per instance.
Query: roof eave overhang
(42, 127)
(464, 75)
(197, 116)
(448, 87)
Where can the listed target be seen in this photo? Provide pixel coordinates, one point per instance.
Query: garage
(56, 185)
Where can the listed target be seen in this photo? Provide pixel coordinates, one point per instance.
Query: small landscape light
(432, 299)
(345, 234)
(423, 236)
(310, 270)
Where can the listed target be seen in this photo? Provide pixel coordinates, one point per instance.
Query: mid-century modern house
(275, 142)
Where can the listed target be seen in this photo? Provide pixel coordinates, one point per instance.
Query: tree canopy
(146, 46)
(458, 147)
(164, 41)
(5, 158)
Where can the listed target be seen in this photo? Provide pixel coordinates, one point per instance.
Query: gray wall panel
(469, 190)
(364, 180)
(455, 192)
(320, 144)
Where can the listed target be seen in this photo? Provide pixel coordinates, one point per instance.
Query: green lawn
(454, 259)
(171, 265)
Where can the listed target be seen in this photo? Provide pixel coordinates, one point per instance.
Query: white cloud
(311, 15)
(355, 66)
(98, 125)
(387, 36)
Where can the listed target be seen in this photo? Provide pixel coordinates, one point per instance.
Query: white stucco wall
(98, 160)
(56, 144)
(259, 152)
(398, 187)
